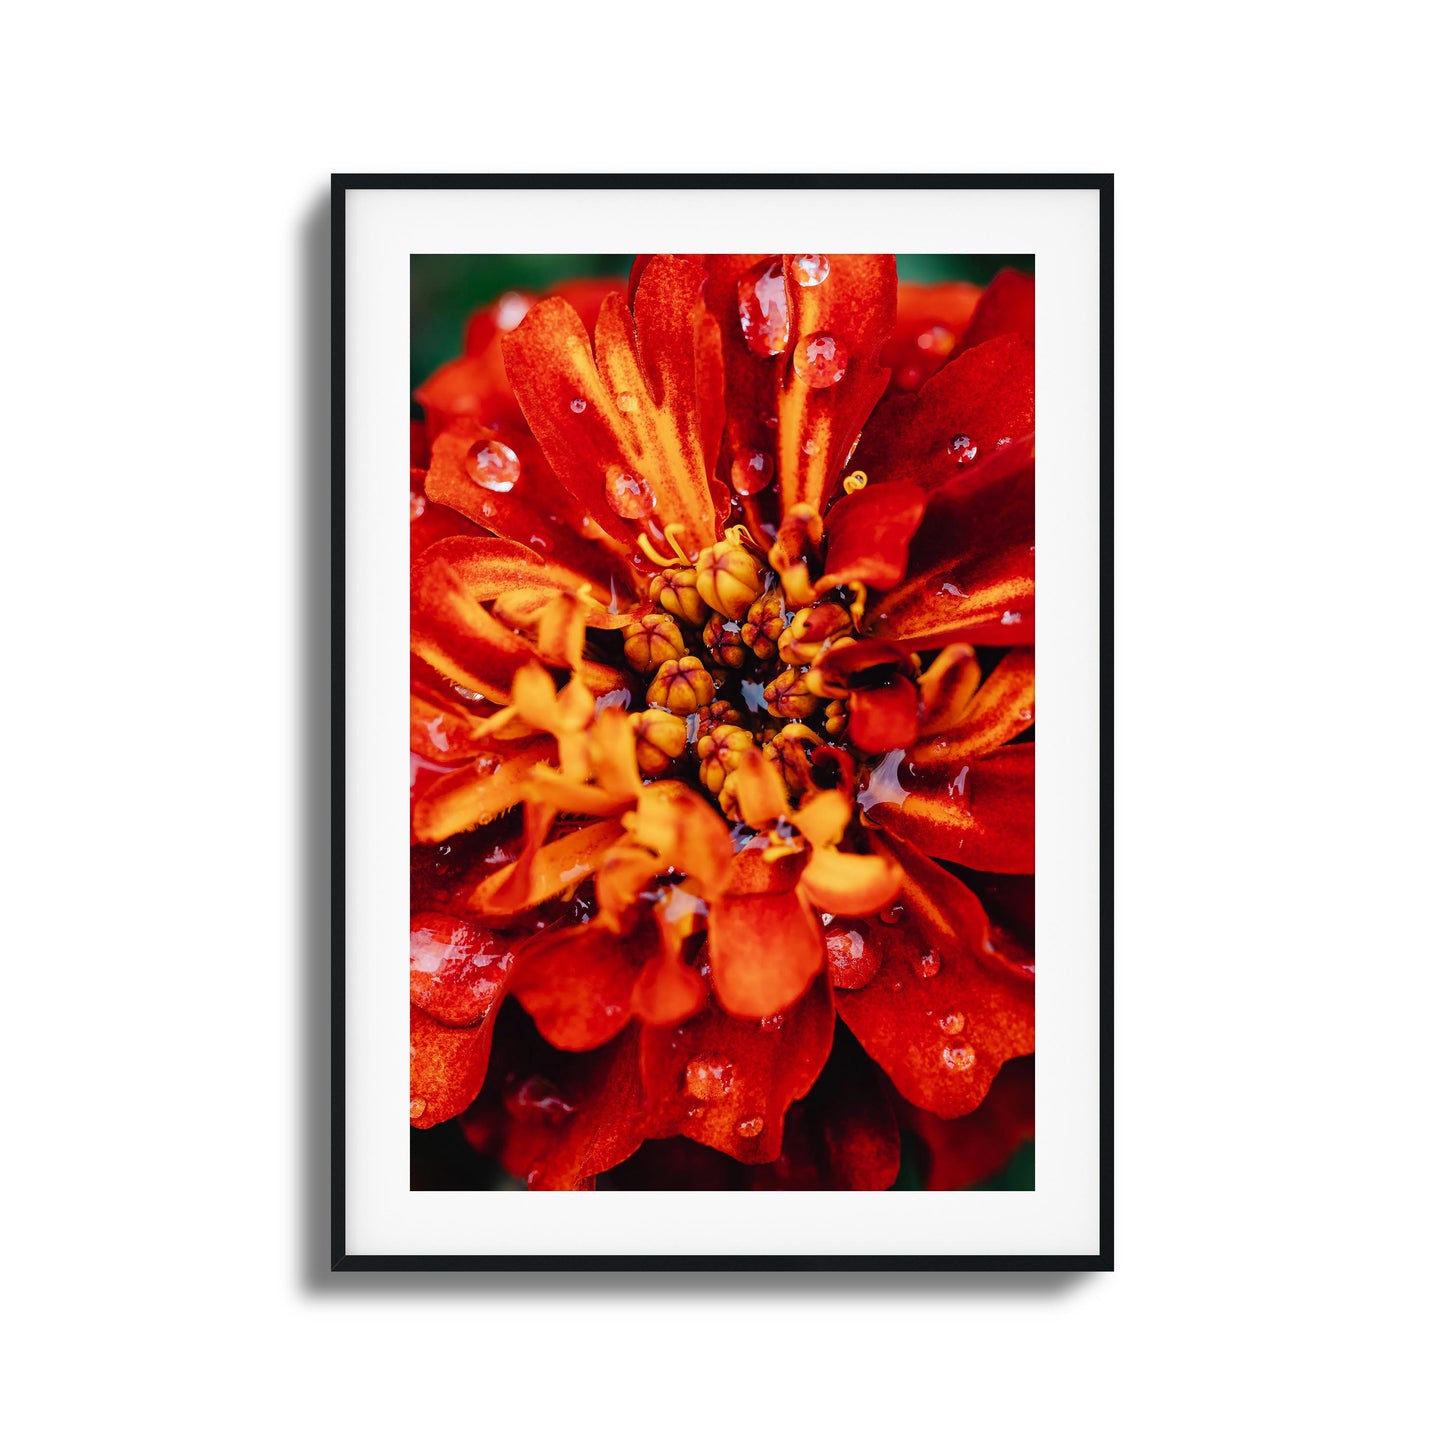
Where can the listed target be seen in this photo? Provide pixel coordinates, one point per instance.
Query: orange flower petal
(947, 688)
(447, 1066)
(549, 870)
(764, 939)
(980, 403)
(667, 990)
(998, 712)
(883, 717)
(728, 1082)
(960, 1153)
(577, 985)
(931, 322)
(762, 797)
(970, 569)
(684, 831)
(980, 814)
(837, 882)
(643, 412)
(479, 792)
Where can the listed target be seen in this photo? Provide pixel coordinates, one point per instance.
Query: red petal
(815, 429)
(979, 403)
(868, 535)
(728, 1082)
(964, 1152)
(480, 791)
(979, 813)
(940, 1016)
(644, 410)
(447, 1066)
(577, 985)
(931, 322)
(458, 969)
(970, 569)
(885, 717)
(1007, 305)
(764, 939)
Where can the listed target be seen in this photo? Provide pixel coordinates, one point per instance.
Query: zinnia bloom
(722, 709)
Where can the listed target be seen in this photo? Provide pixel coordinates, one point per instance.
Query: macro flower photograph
(722, 722)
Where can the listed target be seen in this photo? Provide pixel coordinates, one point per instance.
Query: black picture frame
(341, 1259)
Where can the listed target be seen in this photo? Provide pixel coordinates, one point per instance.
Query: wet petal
(947, 688)
(727, 1082)
(577, 985)
(668, 990)
(478, 792)
(458, 968)
(764, 939)
(837, 882)
(970, 569)
(447, 1066)
(883, 717)
(686, 832)
(1007, 305)
(998, 712)
(549, 870)
(960, 1153)
(940, 1017)
(931, 322)
(980, 403)
(978, 812)
(868, 535)
(644, 411)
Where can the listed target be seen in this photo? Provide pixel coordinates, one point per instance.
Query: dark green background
(445, 290)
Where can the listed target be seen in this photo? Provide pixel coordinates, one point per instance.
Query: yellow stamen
(855, 482)
(668, 531)
(644, 543)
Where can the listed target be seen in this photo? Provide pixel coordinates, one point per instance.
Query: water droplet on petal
(627, 402)
(958, 1057)
(466, 692)
(1026, 714)
(927, 964)
(809, 447)
(963, 448)
(493, 466)
(1010, 618)
(810, 270)
(820, 360)
(763, 308)
(752, 472)
(578, 405)
(952, 1023)
(751, 1128)
(418, 1108)
(629, 494)
(418, 504)
(891, 914)
(708, 1077)
(772, 1023)
(510, 309)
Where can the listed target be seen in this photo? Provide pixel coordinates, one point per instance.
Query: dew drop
(958, 1057)
(952, 1023)
(418, 1108)
(927, 964)
(627, 402)
(708, 1077)
(809, 447)
(578, 405)
(1010, 618)
(628, 494)
(962, 447)
(891, 914)
(493, 466)
(772, 1023)
(853, 957)
(418, 504)
(820, 360)
(810, 270)
(752, 472)
(1026, 714)
(466, 693)
(763, 308)
(751, 1128)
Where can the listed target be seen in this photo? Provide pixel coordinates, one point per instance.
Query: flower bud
(723, 638)
(675, 591)
(835, 718)
(718, 713)
(791, 750)
(661, 740)
(787, 695)
(652, 641)
(719, 753)
(764, 625)
(810, 629)
(729, 578)
(681, 686)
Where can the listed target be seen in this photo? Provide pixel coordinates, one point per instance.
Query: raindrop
(763, 308)
(810, 270)
(751, 1128)
(809, 447)
(891, 914)
(752, 472)
(418, 1108)
(578, 405)
(466, 692)
(628, 494)
(959, 1057)
(418, 504)
(627, 402)
(708, 1077)
(963, 448)
(493, 466)
(1026, 714)
(927, 964)
(952, 1023)
(1010, 618)
(820, 360)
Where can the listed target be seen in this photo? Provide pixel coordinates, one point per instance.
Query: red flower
(722, 702)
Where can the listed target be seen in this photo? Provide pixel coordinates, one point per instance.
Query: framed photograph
(732, 581)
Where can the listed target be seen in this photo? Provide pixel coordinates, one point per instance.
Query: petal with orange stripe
(478, 792)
